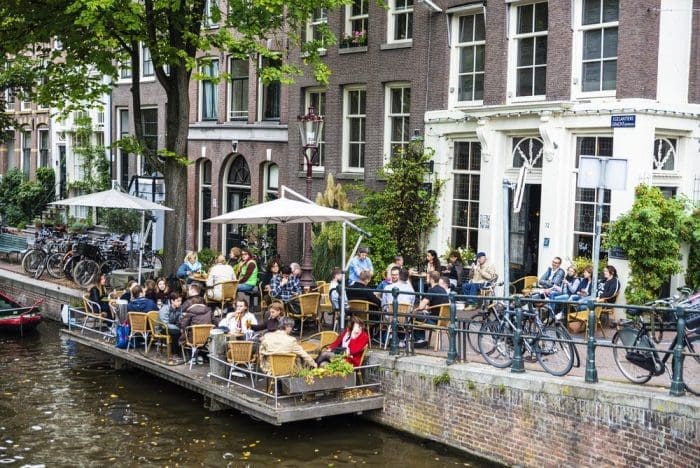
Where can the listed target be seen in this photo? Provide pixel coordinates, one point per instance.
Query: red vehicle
(16, 317)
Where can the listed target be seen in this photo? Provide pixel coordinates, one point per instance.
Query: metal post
(591, 371)
(395, 321)
(517, 367)
(677, 385)
(306, 266)
(506, 238)
(451, 333)
(341, 300)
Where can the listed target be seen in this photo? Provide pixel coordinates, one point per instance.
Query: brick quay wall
(529, 419)
(533, 419)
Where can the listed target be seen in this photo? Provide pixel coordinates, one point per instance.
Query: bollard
(677, 385)
(394, 322)
(591, 371)
(517, 366)
(451, 333)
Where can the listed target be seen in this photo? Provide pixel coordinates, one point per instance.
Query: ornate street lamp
(310, 128)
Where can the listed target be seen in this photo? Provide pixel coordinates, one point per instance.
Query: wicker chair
(281, 364)
(240, 353)
(361, 309)
(229, 292)
(605, 306)
(308, 309)
(92, 313)
(315, 343)
(526, 284)
(402, 320)
(326, 306)
(443, 320)
(196, 337)
(138, 323)
(358, 372)
(158, 332)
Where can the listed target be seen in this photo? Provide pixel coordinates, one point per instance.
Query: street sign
(623, 121)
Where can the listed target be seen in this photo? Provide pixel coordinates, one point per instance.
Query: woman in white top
(240, 320)
(221, 271)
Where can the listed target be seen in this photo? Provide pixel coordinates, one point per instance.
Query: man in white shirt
(399, 279)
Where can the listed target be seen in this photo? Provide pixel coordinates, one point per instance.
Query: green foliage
(338, 367)
(94, 161)
(121, 221)
(650, 233)
(692, 236)
(442, 379)
(206, 257)
(23, 200)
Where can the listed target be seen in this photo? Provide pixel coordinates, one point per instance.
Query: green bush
(23, 200)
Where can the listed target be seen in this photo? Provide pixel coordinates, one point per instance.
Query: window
(665, 154)
(470, 42)
(211, 14)
(43, 147)
(236, 196)
(527, 151)
(123, 156)
(531, 56)
(25, 103)
(318, 17)
(146, 62)
(150, 135)
(9, 97)
(398, 113)
(465, 196)
(316, 98)
(124, 70)
(238, 91)
(209, 95)
(585, 205)
(356, 16)
(57, 44)
(400, 20)
(270, 93)
(354, 109)
(599, 27)
(10, 145)
(204, 204)
(26, 153)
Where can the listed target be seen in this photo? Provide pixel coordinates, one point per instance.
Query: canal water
(63, 405)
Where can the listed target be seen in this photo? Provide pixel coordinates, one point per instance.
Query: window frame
(346, 129)
(204, 185)
(26, 147)
(142, 162)
(675, 143)
(455, 57)
(393, 12)
(264, 95)
(471, 174)
(123, 156)
(230, 89)
(577, 53)
(207, 21)
(10, 98)
(362, 17)
(314, 22)
(44, 146)
(147, 64)
(389, 117)
(514, 43)
(208, 83)
(321, 111)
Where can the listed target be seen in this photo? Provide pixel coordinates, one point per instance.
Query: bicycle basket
(641, 359)
(87, 250)
(628, 334)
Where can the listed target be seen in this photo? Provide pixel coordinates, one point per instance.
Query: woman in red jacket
(351, 343)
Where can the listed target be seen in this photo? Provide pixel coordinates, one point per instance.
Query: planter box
(299, 385)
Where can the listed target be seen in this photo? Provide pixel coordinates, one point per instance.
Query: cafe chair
(440, 326)
(240, 353)
(229, 291)
(316, 343)
(93, 313)
(604, 307)
(196, 337)
(308, 309)
(361, 308)
(158, 332)
(524, 285)
(326, 306)
(281, 365)
(138, 326)
(358, 372)
(402, 320)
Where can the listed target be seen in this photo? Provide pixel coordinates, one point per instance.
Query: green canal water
(63, 405)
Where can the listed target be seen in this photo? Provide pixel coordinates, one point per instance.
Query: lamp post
(310, 128)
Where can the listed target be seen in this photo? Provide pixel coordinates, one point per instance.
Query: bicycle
(548, 345)
(638, 359)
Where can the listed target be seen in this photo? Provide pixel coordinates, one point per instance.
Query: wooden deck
(219, 396)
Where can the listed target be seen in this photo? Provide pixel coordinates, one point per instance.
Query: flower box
(293, 385)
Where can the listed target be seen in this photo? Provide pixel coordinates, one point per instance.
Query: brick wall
(638, 49)
(559, 44)
(496, 68)
(694, 78)
(534, 420)
(28, 290)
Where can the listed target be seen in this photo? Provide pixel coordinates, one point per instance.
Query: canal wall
(533, 419)
(28, 290)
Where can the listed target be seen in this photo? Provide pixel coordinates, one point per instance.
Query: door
(62, 173)
(525, 233)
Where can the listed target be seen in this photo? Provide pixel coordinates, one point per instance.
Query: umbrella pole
(141, 242)
(342, 281)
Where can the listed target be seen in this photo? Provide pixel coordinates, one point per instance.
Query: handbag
(123, 332)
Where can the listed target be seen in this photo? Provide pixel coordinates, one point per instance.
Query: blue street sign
(625, 121)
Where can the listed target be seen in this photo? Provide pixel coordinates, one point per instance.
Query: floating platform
(221, 394)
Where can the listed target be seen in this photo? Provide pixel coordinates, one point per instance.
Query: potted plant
(336, 375)
(354, 39)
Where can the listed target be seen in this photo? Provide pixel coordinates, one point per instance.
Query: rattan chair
(308, 309)
(315, 343)
(326, 306)
(229, 292)
(281, 365)
(604, 306)
(402, 321)
(358, 372)
(240, 353)
(138, 326)
(361, 308)
(443, 320)
(525, 285)
(93, 313)
(158, 332)
(196, 337)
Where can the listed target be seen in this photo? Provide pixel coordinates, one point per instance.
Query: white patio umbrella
(115, 198)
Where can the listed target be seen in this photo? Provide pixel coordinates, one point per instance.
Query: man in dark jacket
(197, 313)
(141, 303)
(361, 290)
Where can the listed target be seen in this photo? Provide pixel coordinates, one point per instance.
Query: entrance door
(525, 233)
(62, 173)
(237, 188)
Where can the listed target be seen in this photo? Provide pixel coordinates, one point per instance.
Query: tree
(99, 34)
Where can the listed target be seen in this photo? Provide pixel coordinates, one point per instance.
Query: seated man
(280, 341)
(551, 280)
(141, 303)
(284, 287)
(361, 290)
(399, 279)
(483, 272)
(170, 315)
(428, 310)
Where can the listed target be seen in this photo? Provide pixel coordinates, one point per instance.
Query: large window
(318, 18)
(150, 135)
(665, 154)
(531, 56)
(204, 203)
(211, 13)
(10, 145)
(146, 62)
(9, 97)
(43, 147)
(270, 93)
(316, 98)
(470, 43)
(237, 195)
(398, 113)
(238, 91)
(400, 20)
(125, 70)
(357, 17)
(122, 155)
(26, 153)
(599, 23)
(527, 151)
(209, 94)
(354, 113)
(465, 196)
(586, 198)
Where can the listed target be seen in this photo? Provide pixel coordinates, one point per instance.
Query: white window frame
(140, 158)
(147, 64)
(208, 22)
(346, 129)
(25, 104)
(321, 94)
(42, 133)
(675, 142)
(577, 53)
(362, 16)
(470, 173)
(9, 97)
(262, 96)
(125, 73)
(26, 154)
(204, 184)
(229, 86)
(213, 67)
(455, 56)
(513, 51)
(399, 8)
(318, 17)
(122, 133)
(389, 117)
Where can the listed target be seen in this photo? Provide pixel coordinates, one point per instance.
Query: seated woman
(149, 287)
(608, 291)
(241, 320)
(351, 343)
(128, 296)
(273, 269)
(189, 267)
(162, 293)
(98, 294)
(568, 288)
(220, 272)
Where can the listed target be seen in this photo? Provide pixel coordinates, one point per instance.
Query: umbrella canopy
(112, 198)
(283, 211)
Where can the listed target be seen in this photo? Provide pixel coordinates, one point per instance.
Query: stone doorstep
(635, 396)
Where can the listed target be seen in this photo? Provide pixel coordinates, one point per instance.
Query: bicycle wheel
(631, 371)
(473, 327)
(497, 350)
(691, 365)
(156, 262)
(85, 272)
(556, 357)
(32, 259)
(108, 266)
(54, 265)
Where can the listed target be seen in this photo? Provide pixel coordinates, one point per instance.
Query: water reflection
(65, 406)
